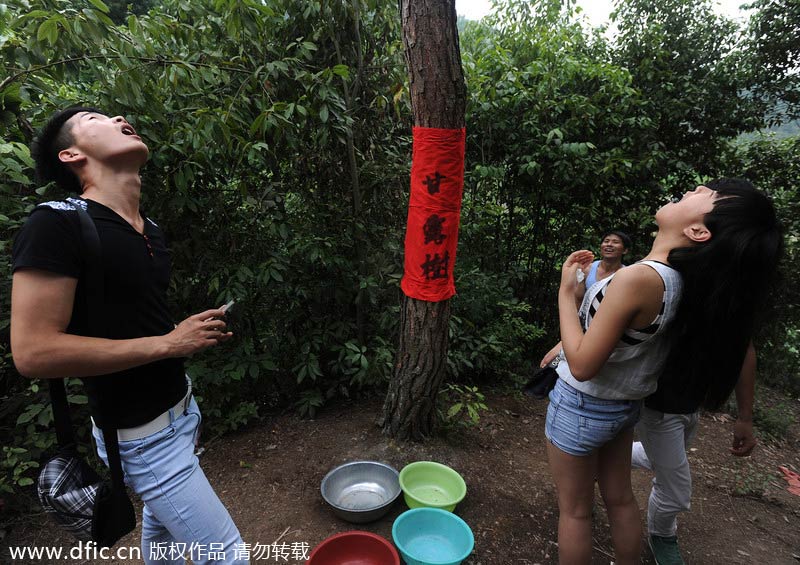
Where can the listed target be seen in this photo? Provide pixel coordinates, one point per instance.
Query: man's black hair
(626, 240)
(52, 139)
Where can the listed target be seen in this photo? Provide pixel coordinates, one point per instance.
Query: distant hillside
(790, 129)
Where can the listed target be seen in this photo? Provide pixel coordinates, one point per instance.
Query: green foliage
(460, 406)
(773, 56)
(280, 148)
(774, 420)
(28, 432)
(309, 402)
(490, 335)
(247, 107)
(774, 165)
(16, 462)
(559, 148)
(689, 65)
(749, 480)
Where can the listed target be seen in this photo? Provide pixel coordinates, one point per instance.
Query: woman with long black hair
(695, 295)
(725, 286)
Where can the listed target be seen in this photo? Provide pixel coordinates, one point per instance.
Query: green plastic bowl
(427, 484)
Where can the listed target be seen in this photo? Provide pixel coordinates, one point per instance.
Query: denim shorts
(579, 423)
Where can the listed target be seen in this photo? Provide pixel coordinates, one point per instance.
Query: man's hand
(41, 308)
(550, 355)
(197, 332)
(743, 439)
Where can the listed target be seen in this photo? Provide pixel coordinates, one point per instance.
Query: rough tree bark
(438, 100)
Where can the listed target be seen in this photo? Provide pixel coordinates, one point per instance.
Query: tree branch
(157, 60)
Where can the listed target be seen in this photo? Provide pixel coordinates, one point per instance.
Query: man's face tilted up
(97, 137)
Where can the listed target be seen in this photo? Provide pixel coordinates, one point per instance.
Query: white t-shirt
(633, 368)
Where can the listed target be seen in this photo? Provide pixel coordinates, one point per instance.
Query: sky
(595, 10)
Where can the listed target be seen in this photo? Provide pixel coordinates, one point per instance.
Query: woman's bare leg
(614, 477)
(574, 478)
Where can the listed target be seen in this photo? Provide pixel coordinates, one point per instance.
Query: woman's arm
(632, 299)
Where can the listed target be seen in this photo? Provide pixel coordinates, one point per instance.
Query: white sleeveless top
(632, 370)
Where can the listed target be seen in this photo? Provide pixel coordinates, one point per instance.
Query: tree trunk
(351, 94)
(438, 100)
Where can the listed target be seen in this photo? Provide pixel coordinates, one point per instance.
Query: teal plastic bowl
(432, 485)
(431, 536)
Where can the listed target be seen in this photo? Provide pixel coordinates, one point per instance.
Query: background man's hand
(743, 439)
(550, 355)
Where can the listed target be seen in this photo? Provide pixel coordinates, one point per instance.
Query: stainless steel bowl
(361, 491)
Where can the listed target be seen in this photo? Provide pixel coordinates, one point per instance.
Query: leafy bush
(774, 166)
(774, 420)
(750, 480)
(281, 139)
(29, 435)
(250, 110)
(490, 337)
(460, 406)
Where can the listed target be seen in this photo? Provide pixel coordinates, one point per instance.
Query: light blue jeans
(664, 441)
(182, 514)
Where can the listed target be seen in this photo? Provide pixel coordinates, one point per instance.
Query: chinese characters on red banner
(437, 181)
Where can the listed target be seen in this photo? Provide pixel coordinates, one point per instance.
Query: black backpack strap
(58, 398)
(94, 283)
(95, 289)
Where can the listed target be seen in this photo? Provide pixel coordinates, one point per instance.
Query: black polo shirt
(677, 396)
(136, 271)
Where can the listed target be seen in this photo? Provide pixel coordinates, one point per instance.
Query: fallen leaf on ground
(793, 479)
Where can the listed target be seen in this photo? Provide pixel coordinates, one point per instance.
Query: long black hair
(726, 282)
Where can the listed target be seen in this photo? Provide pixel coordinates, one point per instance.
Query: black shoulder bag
(83, 504)
(542, 381)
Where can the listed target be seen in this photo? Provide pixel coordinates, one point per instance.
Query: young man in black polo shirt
(136, 369)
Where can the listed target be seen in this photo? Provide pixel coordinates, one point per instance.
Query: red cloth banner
(434, 211)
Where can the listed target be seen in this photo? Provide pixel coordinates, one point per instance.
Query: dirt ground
(269, 477)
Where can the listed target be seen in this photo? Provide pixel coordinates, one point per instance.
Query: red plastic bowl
(354, 548)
